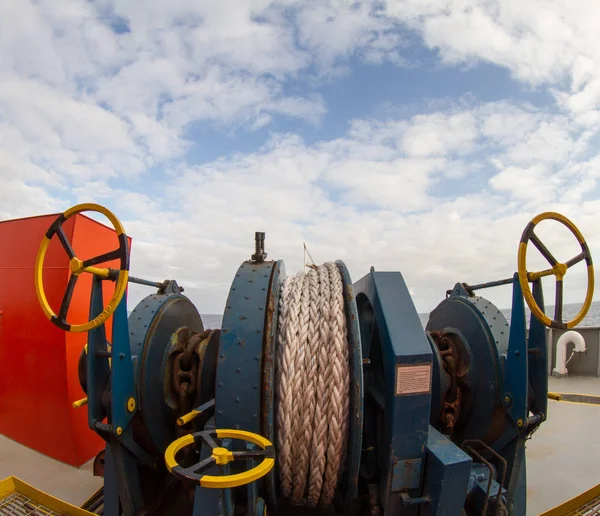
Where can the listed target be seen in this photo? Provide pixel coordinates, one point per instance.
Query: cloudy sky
(418, 136)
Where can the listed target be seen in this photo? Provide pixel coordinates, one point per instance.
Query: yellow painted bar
(13, 484)
(239, 479)
(554, 396)
(532, 276)
(80, 403)
(571, 506)
(174, 448)
(97, 271)
(185, 419)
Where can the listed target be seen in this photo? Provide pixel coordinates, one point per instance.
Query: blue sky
(408, 135)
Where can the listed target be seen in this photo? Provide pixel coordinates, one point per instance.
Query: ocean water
(569, 312)
(212, 321)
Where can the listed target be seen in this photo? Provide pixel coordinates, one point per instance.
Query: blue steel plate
(151, 325)
(240, 361)
(460, 313)
(350, 477)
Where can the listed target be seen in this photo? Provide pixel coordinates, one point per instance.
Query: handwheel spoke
(543, 249)
(209, 440)
(532, 276)
(575, 260)
(64, 307)
(65, 242)
(247, 455)
(199, 467)
(106, 257)
(558, 302)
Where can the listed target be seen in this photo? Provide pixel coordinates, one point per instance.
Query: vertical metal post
(97, 365)
(227, 499)
(252, 491)
(111, 486)
(515, 375)
(537, 361)
(259, 247)
(124, 399)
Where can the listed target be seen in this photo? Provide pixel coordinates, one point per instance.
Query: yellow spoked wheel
(221, 456)
(557, 269)
(77, 267)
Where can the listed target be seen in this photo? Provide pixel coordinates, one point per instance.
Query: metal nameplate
(413, 379)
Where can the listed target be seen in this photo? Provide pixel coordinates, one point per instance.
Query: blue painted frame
(516, 370)
(403, 343)
(447, 475)
(123, 454)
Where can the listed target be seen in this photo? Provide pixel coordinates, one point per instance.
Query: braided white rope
(313, 382)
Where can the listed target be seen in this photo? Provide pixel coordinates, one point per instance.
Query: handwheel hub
(222, 456)
(76, 265)
(559, 270)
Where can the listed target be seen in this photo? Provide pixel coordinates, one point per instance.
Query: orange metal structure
(38, 361)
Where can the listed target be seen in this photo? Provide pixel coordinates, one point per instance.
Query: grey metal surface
(562, 457)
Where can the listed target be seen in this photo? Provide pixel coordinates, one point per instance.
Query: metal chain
(185, 369)
(452, 397)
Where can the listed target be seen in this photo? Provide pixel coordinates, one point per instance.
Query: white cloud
(543, 43)
(18, 199)
(531, 183)
(382, 210)
(436, 135)
(441, 195)
(336, 29)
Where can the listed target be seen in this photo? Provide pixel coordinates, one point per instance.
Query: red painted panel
(38, 361)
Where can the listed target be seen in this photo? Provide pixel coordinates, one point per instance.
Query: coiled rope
(313, 381)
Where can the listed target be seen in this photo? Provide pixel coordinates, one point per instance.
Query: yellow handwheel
(558, 269)
(77, 267)
(221, 456)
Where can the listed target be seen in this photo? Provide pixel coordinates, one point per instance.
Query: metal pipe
(491, 478)
(531, 276)
(489, 284)
(80, 403)
(193, 414)
(148, 283)
(569, 337)
(113, 275)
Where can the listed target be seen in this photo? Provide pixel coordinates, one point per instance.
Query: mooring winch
(317, 394)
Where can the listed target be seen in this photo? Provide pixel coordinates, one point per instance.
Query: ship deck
(562, 456)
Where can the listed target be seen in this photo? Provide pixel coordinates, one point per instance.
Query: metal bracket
(407, 500)
(515, 376)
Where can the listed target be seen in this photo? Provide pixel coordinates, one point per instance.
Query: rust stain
(268, 353)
